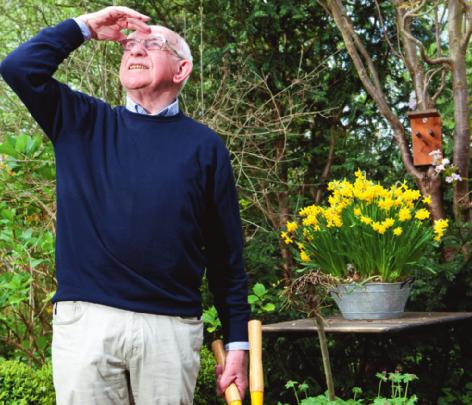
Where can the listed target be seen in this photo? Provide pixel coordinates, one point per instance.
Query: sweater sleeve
(28, 70)
(226, 276)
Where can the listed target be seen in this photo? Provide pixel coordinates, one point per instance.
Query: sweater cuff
(84, 29)
(70, 34)
(237, 346)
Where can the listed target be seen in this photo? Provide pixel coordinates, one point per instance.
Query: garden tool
(231, 393)
(256, 374)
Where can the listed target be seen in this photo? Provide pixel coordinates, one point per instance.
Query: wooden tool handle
(232, 393)
(256, 373)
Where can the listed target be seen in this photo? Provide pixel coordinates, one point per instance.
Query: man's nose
(138, 49)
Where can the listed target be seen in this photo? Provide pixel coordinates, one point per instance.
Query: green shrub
(205, 391)
(22, 385)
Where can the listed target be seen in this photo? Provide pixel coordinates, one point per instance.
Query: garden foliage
(274, 80)
(22, 385)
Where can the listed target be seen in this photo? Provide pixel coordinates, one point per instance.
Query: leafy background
(274, 80)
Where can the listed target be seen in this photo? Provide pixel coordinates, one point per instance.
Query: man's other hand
(235, 371)
(107, 24)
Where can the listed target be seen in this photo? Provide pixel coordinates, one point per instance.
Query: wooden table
(336, 324)
(377, 345)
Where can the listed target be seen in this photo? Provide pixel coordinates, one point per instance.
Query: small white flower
(456, 177)
(412, 101)
(435, 152)
(445, 162)
(449, 179)
(439, 168)
(437, 156)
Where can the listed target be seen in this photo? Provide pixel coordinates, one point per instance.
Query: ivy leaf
(259, 289)
(252, 299)
(269, 307)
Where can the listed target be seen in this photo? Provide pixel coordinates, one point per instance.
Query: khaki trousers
(103, 355)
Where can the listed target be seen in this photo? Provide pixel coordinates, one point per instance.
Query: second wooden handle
(256, 374)
(232, 393)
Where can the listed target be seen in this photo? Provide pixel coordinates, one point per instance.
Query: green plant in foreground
(211, 320)
(399, 383)
(260, 300)
(398, 392)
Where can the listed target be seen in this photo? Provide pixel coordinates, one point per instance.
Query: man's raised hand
(107, 24)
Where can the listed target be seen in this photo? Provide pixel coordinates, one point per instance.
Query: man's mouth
(137, 66)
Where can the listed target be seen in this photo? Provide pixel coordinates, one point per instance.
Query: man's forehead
(155, 30)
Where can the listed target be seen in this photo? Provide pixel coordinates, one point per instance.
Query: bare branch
(468, 19)
(441, 86)
(354, 46)
(384, 31)
(360, 47)
(418, 43)
(327, 167)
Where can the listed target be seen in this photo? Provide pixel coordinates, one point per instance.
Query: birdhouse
(426, 135)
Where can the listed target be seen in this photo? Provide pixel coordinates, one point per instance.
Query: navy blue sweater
(144, 204)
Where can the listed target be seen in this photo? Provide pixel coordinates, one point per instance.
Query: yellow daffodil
(327, 231)
(286, 238)
(440, 227)
(310, 220)
(359, 174)
(386, 204)
(398, 231)
(378, 227)
(422, 214)
(307, 234)
(388, 223)
(411, 195)
(304, 256)
(404, 214)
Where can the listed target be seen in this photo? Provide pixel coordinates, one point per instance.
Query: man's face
(151, 70)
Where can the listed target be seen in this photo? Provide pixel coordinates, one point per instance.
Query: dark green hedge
(22, 385)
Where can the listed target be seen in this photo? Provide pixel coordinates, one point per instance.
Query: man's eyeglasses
(155, 43)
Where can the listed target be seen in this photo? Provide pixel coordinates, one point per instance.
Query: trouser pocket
(67, 312)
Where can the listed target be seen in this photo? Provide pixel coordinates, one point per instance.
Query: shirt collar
(169, 111)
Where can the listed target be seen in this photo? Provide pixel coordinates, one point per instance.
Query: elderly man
(146, 202)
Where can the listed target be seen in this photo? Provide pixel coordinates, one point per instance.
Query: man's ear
(185, 68)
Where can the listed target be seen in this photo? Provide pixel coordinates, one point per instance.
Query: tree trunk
(282, 198)
(458, 46)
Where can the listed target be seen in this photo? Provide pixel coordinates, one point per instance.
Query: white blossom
(456, 177)
(435, 152)
(412, 101)
(437, 156)
(439, 168)
(449, 179)
(445, 162)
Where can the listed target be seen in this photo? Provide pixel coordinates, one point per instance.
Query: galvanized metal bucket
(371, 300)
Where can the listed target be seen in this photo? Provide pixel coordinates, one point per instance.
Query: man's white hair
(183, 48)
(180, 45)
